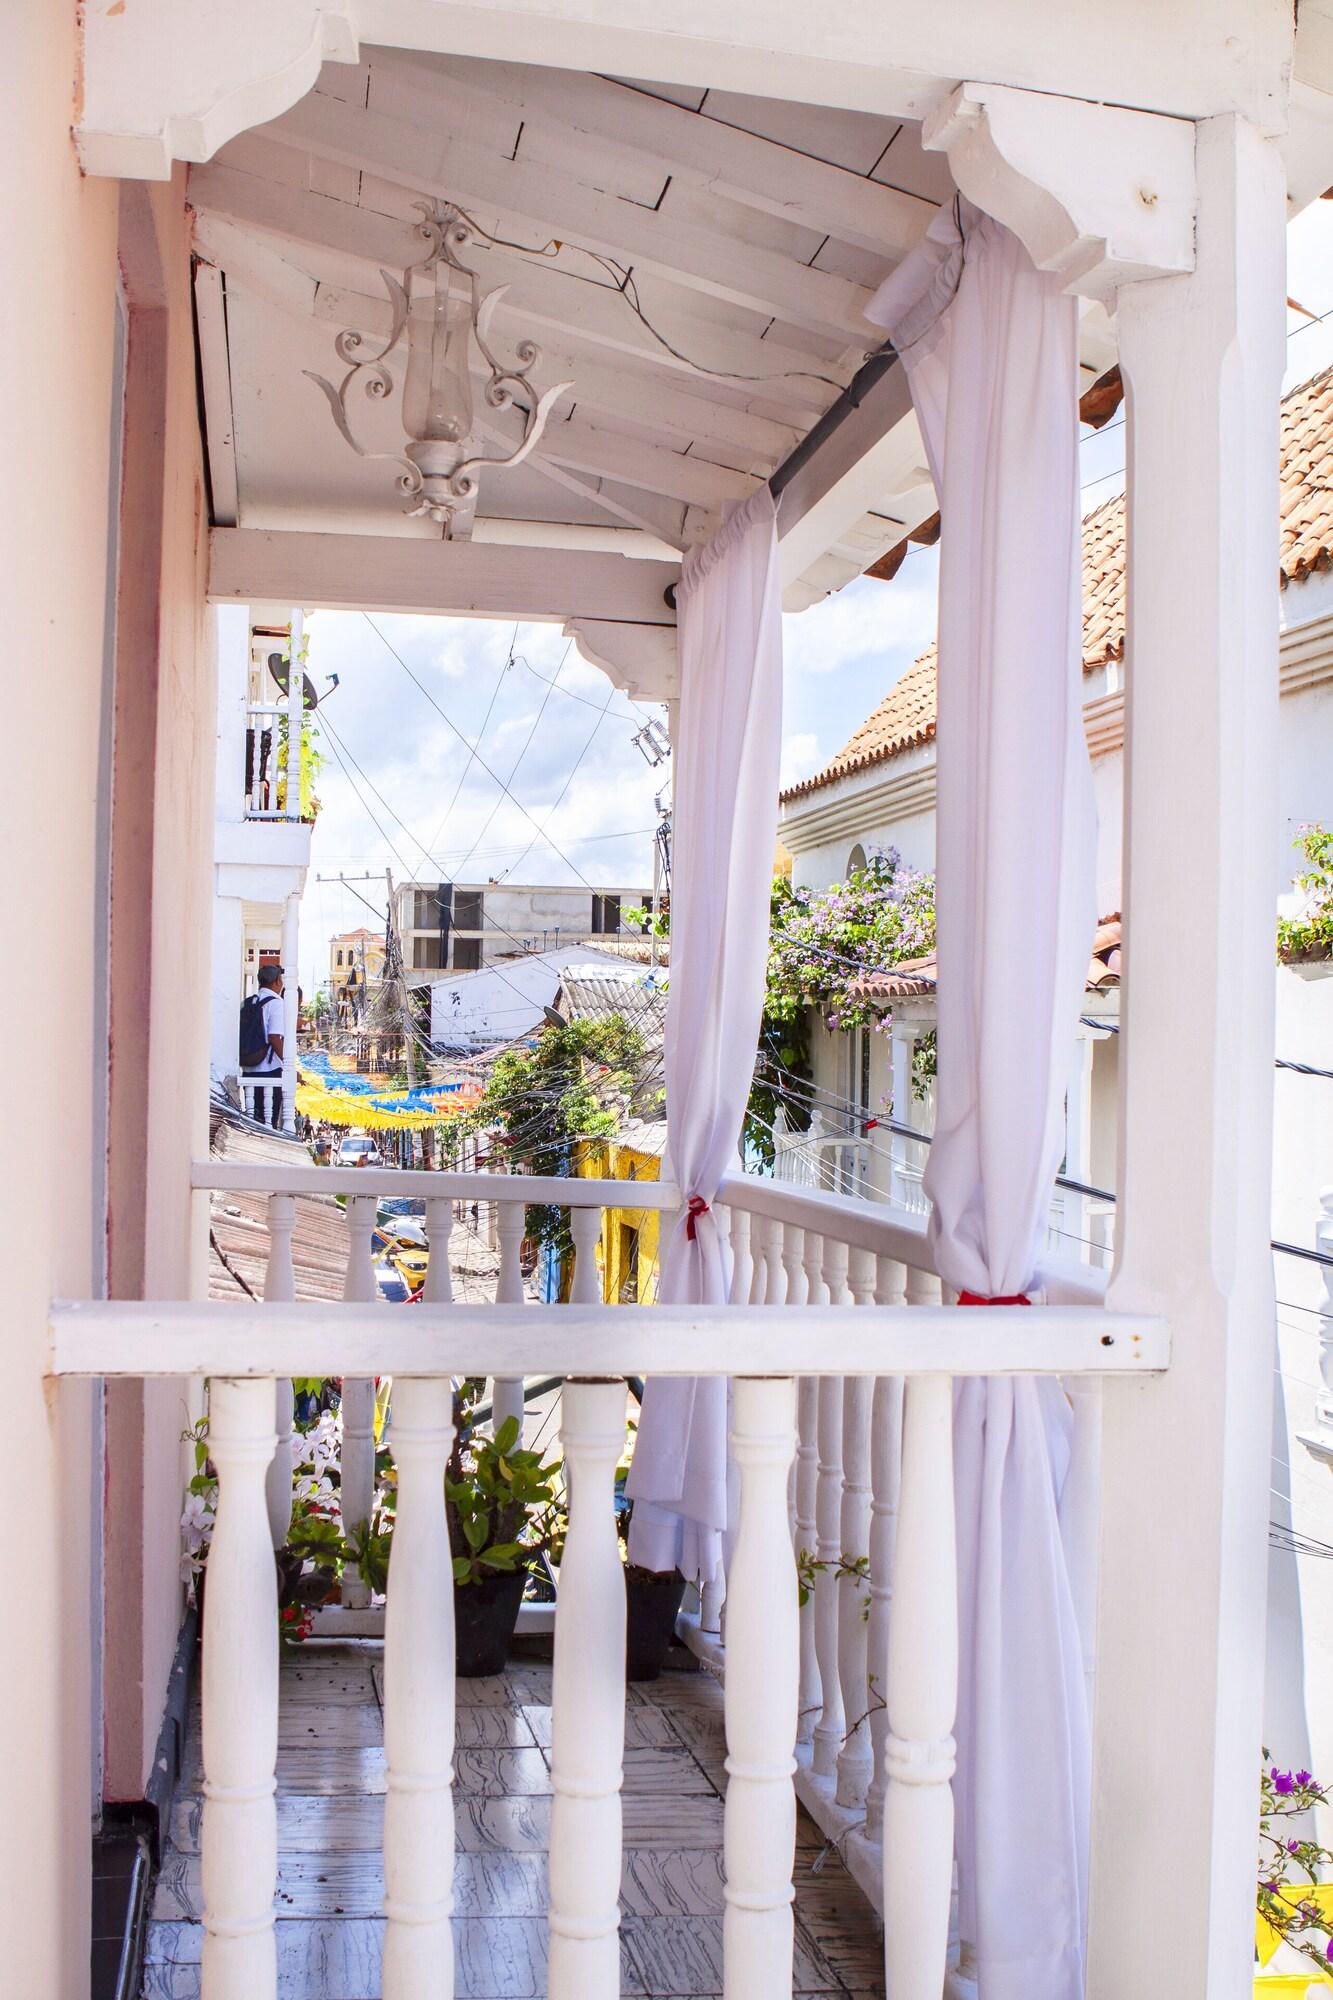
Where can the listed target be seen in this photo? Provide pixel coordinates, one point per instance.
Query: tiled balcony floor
(330, 1816)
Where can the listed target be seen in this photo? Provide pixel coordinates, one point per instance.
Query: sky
(412, 773)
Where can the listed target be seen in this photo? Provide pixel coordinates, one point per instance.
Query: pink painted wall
(57, 289)
(59, 238)
(161, 866)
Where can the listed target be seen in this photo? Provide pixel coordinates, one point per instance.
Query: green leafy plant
(1291, 1898)
(574, 1084)
(498, 1497)
(1308, 937)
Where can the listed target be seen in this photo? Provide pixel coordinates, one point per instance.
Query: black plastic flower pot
(652, 1602)
(485, 1615)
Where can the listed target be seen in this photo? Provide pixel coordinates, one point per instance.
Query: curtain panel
(724, 817)
(990, 347)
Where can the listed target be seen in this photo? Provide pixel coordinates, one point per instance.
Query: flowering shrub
(821, 944)
(1292, 1902)
(1309, 936)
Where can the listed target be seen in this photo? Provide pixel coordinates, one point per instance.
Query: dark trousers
(272, 1092)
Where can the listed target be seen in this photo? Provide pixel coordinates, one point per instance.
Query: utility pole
(400, 980)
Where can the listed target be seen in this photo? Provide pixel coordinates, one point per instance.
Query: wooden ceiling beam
(629, 124)
(578, 310)
(456, 579)
(510, 193)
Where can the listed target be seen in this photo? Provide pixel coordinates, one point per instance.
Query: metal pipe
(871, 371)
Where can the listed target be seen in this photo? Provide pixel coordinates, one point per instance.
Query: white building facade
(261, 839)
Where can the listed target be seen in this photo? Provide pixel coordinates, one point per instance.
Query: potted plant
(498, 1501)
(652, 1600)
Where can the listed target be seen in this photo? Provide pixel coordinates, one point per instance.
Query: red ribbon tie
(698, 1206)
(978, 1299)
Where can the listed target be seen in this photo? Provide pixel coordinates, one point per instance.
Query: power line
(492, 775)
(495, 696)
(568, 782)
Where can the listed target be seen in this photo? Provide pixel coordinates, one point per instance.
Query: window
(469, 910)
(426, 909)
(467, 953)
(605, 915)
(340, 958)
(427, 954)
(856, 859)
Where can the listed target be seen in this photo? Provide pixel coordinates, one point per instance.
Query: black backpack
(254, 1033)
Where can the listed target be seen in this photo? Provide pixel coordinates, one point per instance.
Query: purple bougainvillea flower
(1283, 1782)
(1304, 1778)
(1293, 1847)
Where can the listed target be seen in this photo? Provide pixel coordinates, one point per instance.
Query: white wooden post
(239, 1704)
(763, 1647)
(922, 1697)
(588, 1705)
(1185, 1456)
(510, 1221)
(854, 1763)
(291, 946)
(828, 1732)
(280, 1285)
(419, 1701)
(358, 1403)
(902, 1041)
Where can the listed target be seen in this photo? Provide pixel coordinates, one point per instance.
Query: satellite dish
(277, 667)
(554, 1018)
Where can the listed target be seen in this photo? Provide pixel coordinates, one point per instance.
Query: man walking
(262, 1018)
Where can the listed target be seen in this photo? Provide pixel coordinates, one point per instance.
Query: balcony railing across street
(266, 730)
(841, 1348)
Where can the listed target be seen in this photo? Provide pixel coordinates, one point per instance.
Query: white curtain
(989, 343)
(724, 817)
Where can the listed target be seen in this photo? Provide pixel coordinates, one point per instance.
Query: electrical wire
(495, 696)
(565, 787)
(492, 775)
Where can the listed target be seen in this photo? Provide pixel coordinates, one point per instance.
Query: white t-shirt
(275, 1019)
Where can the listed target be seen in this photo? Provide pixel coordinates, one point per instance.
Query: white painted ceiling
(752, 230)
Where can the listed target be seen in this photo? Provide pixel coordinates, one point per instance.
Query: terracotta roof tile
(906, 716)
(917, 976)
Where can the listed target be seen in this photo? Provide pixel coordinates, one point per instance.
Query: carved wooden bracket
(641, 659)
(164, 82)
(1100, 195)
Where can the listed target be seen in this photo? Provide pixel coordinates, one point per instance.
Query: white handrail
(194, 1337)
(551, 1190)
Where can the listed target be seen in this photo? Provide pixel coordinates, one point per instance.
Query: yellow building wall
(612, 1161)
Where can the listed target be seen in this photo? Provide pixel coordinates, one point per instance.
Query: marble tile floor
(330, 1817)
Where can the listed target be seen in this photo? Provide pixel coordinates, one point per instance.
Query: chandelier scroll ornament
(441, 321)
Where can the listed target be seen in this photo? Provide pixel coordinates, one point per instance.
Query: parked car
(358, 1150)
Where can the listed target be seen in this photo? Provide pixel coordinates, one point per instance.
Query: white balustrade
(511, 1226)
(239, 1707)
(867, 1703)
(829, 1729)
(358, 1400)
(742, 1266)
(585, 1226)
(588, 1705)
(854, 1761)
(761, 1694)
(922, 1699)
(419, 1702)
(886, 1428)
(807, 1476)
(280, 1285)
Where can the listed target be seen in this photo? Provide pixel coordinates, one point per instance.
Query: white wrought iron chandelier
(440, 467)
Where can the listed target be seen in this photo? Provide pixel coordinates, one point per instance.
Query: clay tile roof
(906, 716)
(916, 976)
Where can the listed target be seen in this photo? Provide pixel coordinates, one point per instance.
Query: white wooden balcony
(842, 1351)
